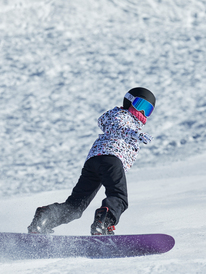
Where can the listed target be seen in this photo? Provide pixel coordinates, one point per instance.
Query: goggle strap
(129, 97)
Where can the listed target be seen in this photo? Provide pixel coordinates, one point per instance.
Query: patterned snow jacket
(122, 136)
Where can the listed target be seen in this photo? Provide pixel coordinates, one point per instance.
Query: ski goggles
(140, 104)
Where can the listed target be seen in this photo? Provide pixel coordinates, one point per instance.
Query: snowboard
(18, 246)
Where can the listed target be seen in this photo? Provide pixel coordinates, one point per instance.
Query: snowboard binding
(103, 222)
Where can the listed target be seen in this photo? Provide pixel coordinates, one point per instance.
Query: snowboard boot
(103, 222)
(48, 217)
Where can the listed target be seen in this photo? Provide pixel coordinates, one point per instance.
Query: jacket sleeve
(126, 128)
(118, 125)
(131, 129)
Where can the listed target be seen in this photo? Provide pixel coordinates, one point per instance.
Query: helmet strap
(129, 97)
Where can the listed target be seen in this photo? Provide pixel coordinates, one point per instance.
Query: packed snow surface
(62, 64)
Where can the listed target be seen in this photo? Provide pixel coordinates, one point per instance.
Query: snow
(62, 64)
(166, 199)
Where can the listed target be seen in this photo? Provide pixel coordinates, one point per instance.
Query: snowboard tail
(17, 246)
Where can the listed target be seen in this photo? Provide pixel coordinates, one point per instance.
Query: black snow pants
(106, 170)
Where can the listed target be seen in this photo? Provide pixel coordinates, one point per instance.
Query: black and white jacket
(122, 136)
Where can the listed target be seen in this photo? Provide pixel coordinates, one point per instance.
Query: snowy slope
(62, 64)
(169, 199)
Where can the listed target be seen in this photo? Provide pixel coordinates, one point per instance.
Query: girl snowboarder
(113, 153)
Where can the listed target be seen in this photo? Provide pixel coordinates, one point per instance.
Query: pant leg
(113, 178)
(86, 188)
(106, 170)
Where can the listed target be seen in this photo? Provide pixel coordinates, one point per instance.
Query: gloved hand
(145, 138)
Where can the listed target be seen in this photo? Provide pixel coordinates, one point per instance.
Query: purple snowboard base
(18, 246)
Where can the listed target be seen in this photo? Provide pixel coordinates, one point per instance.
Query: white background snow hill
(62, 64)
